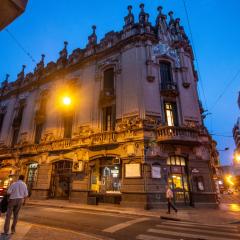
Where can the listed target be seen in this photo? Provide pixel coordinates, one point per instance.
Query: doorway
(178, 179)
(61, 179)
(31, 177)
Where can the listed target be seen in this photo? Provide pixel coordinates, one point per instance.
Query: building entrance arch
(31, 176)
(61, 179)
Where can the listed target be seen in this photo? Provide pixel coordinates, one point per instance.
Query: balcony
(106, 96)
(169, 89)
(172, 134)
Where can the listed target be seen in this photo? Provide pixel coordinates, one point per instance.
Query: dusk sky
(46, 24)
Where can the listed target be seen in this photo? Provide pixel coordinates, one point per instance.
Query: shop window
(166, 73)
(108, 79)
(178, 178)
(109, 118)
(68, 122)
(171, 115)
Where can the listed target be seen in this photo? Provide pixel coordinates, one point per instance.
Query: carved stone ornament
(161, 49)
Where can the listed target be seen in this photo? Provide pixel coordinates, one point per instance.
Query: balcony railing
(106, 95)
(177, 134)
(169, 89)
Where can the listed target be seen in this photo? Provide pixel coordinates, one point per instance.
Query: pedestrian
(169, 196)
(17, 196)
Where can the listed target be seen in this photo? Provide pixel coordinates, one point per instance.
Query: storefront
(105, 180)
(6, 176)
(178, 179)
(61, 179)
(31, 176)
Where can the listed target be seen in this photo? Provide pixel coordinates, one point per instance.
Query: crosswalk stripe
(121, 226)
(210, 227)
(202, 224)
(180, 234)
(200, 231)
(149, 237)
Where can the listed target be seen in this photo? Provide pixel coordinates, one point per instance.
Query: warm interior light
(66, 100)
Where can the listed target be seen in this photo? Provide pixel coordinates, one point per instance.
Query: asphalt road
(123, 226)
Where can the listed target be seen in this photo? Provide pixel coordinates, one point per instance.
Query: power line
(20, 45)
(220, 135)
(195, 53)
(225, 89)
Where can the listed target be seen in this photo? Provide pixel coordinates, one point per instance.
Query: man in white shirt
(17, 196)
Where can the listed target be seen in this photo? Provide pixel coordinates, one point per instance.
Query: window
(68, 122)
(109, 118)
(108, 81)
(171, 114)
(166, 72)
(15, 136)
(1, 120)
(38, 132)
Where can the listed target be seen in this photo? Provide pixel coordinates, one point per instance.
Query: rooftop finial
(23, 67)
(7, 77)
(129, 9)
(43, 56)
(160, 8)
(65, 44)
(142, 7)
(94, 29)
(171, 15)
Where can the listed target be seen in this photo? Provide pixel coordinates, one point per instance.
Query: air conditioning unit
(78, 166)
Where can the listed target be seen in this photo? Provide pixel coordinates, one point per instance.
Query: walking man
(17, 196)
(169, 196)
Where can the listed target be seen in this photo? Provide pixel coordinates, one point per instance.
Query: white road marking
(148, 237)
(199, 226)
(180, 234)
(202, 224)
(200, 231)
(121, 226)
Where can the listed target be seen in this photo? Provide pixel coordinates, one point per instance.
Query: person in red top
(169, 197)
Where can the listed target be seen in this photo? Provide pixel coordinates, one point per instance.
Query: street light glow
(67, 101)
(230, 180)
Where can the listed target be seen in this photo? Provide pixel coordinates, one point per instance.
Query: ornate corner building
(129, 124)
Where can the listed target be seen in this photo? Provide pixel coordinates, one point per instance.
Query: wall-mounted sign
(78, 166)
(133, 170)
(156, 171)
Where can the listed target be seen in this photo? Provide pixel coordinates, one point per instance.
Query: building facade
(236, 135)
(114, 122)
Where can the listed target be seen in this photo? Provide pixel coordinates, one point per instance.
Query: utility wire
(20, 46)
(195, 53)
(225, 89)
(219, 135)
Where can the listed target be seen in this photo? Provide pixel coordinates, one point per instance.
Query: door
(61, 179)
(178, 180)
(31, 176)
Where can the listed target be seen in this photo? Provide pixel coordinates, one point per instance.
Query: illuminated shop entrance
(178, 179)
(106, 177)
(31, 176)
(61, 179)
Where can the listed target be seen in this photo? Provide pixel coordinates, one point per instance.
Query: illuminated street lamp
(237, 158)
(66, 101)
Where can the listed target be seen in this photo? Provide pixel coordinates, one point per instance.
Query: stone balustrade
(177, 134)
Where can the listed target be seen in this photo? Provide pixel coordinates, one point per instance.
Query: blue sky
(215, 26)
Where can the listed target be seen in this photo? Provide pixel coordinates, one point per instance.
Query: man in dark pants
(169, 196)
(17, 195)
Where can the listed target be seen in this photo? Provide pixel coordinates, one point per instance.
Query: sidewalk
(226, 214)
(26, 231)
